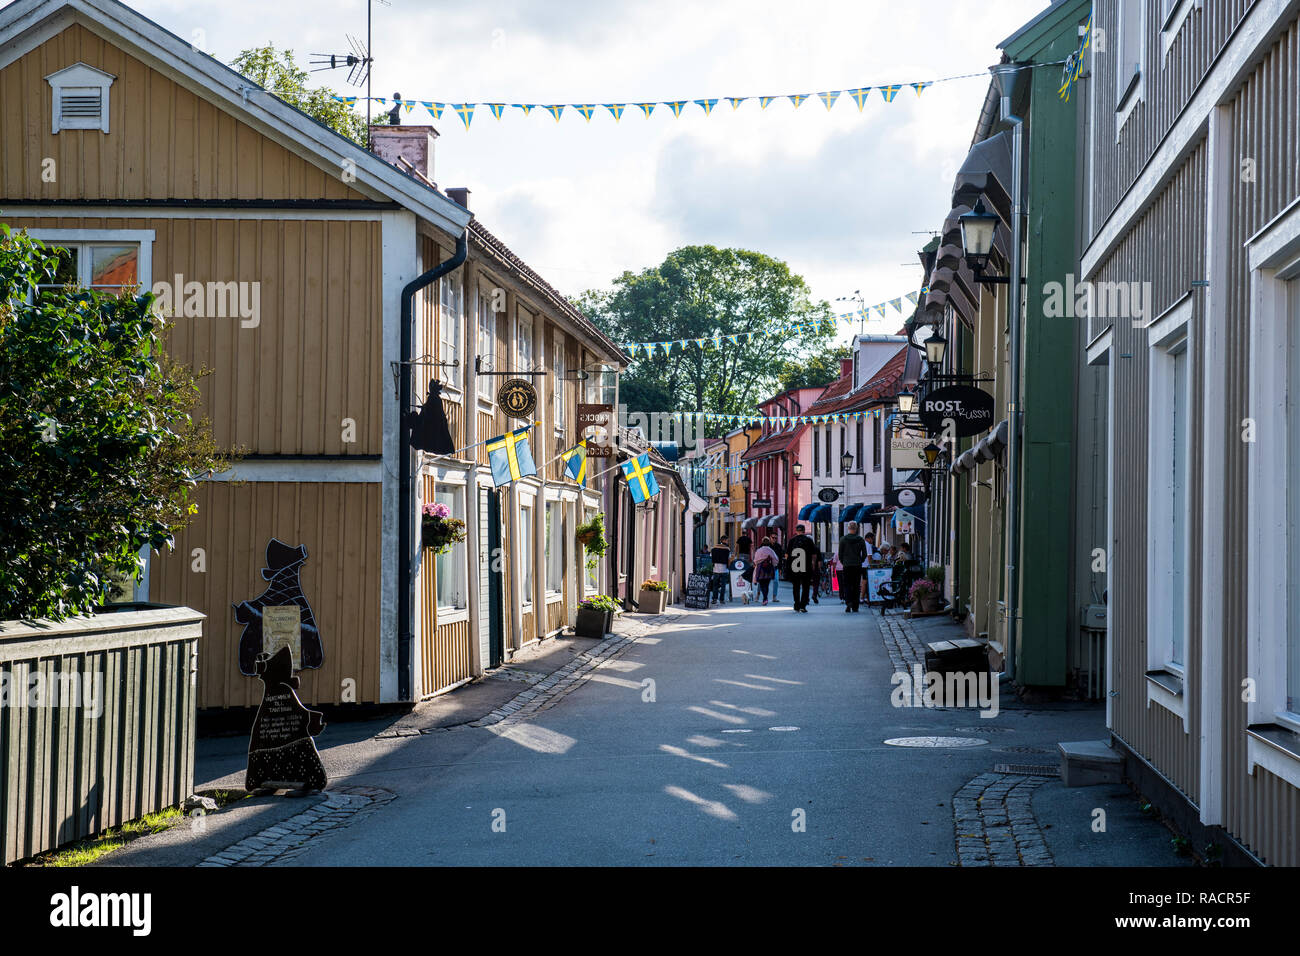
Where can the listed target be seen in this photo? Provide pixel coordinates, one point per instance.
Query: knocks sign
(596, 425)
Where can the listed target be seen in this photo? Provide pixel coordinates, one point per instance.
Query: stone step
(1086, 763)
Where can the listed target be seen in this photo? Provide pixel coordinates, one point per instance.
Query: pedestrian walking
(780, 567)
(766, 563)
(743, 546)
(802, 558)
(853, 552)
(720, 555)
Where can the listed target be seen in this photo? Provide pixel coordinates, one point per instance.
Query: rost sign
(969, 408)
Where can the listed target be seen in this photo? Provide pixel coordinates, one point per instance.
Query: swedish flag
(575, 462)
(889, 92)
(829, 98)
(640, 478)
(586, 109)
(616, 109)
(510, 457)
(466, 111)
(497, 109)
(676, 106)
(556, 110)
(860, 96)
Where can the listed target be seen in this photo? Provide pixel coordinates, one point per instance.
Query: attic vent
(80, 98)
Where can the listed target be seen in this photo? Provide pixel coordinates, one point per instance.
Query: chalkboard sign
(697, 590)
(281, 752)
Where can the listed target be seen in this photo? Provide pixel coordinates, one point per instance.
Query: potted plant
(595, 616)
(925, 595)
(439, 531)
(653, 598)
(591, 535)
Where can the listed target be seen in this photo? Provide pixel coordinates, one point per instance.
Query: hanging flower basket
(439, 531)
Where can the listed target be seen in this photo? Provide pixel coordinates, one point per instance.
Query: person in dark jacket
(803, 557)
(719, 555)
(853, 552)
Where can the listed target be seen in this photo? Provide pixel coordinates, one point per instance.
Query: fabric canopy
(807, 510)
(822, 514)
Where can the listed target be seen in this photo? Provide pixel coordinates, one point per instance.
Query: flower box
(592, 622)
(652, 602)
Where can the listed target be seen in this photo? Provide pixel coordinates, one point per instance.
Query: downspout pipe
(405, 520)
(1007, 74)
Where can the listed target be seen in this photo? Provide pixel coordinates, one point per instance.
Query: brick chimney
(459, 194)
(412, 143)
(846, 367)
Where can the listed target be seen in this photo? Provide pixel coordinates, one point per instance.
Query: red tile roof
(883, 387)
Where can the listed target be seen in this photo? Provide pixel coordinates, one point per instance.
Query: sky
(846, 197)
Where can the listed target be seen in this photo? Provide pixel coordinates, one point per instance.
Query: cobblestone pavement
(279, 844)
(551, 688)
(995, 824)
(901, 643)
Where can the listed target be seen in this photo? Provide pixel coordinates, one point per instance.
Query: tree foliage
(99, 453)
(820, 368)
(276, 71)
(701, 292)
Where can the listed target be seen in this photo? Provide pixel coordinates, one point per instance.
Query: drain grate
(1024, 750)
(1028, 769)
(985, 730)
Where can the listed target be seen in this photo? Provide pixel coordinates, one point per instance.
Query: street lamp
(796, 469)
(935, 347)
(931, 452)
(906, 403)
(978, 228)
(846, 462)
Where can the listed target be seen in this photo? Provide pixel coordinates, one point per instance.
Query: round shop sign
(970, 409)
(828, 494)
(518, 397)
(907, 497)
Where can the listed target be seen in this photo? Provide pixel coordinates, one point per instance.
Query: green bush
(99, 454)
(600, 602)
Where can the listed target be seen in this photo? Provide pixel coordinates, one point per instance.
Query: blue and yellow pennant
(510, 457)
(641, 483)
(575, 462)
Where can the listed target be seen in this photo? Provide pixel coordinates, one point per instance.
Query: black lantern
(935, 347)
(931, 452)
(796, 469)
(846, 462)
(978, 228)
(717, 486)
(906, 402)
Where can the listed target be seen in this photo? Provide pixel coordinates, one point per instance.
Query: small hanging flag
(526, 107)
(676, 106)
(466, 111)
(435, 109)
(556, 110)
(897, 304)
(510, 457)
(912, 297)
(410, 105)
(735, 101)
(889, 92)
(763, 101)
(860, 96)
(706, 105)
(641, 483)
(829, 98)
(921, 86)
(575, 462)
(647, 108)
(586, 109)
(797, 99)
(496, 108)
(616, 109)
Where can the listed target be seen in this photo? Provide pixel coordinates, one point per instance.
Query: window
(554, 547)
(487, 337)
(524, 341)
(450, 566)
(558, 373)
(527, 529)
(817, 451)
(877, 442)
(107, 267)
(80, 98)
(857, 428)
(844, 446)
(1129, 36)
(856, 356)
(829, 442)
(451, 300)
(593, 566)
(1169, 475)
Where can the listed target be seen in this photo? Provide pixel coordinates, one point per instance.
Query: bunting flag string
(888, 93)
(1073, 68)
(652, 349)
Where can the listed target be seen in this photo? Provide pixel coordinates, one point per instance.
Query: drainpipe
(406, 630)
(1006, 74)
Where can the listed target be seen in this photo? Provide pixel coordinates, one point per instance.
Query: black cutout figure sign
(281, 752)
(429, 430)
(271, 613)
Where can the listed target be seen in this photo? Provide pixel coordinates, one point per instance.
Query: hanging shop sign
(906, 447)
(828, 495)
(905, 497)
(970, 409)
(904, 522)
(596, 426)
(518, 397)
(762, 502)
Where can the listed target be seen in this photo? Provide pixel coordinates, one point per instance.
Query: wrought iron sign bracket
(479, 370)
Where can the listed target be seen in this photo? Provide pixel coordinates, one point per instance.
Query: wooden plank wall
(164, 141)
(339, 524)
(67, 771)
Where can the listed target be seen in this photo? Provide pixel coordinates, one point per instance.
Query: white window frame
(84, 238)
(457, 558)
(1274, 259)
(79, 80)
(486, 322)
(451, 319)
(1169, 335)
(1173, 14)
(527, 547)
(553, 547)
(558, 372)
(524, 356)
(1130, 87)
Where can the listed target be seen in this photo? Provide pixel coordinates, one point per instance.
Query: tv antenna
(358, 62)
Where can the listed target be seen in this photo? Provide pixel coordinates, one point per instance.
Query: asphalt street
(759, 742)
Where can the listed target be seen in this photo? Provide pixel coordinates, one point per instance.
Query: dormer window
(80, 98)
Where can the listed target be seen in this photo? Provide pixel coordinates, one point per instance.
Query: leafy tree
(702, 292)
(99, 453)
(820, 368)
(276, 71)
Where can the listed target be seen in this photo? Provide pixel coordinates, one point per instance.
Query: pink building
(775, 494)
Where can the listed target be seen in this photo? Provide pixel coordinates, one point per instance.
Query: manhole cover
(1024, 750)
(935, 742)
(1028, 769)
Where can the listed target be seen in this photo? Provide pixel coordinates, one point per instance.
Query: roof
(881, 388)
(25, 24)
(502, 253)
(775, 443)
